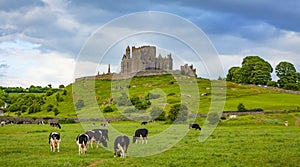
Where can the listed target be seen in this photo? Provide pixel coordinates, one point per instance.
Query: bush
(291, 86)
(241, 107)
(107, 109)
(272, 83)
(171, 94)
(123, 100)
(152, 96)
(79, 104)
(34, 108)
(178, 113)
(157, 114)
(213, 118)
(67, 121)
(49, 107)
(56, 112)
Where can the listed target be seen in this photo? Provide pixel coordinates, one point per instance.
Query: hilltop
(166, 86)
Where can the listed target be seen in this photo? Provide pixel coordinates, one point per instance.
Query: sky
(45, 41)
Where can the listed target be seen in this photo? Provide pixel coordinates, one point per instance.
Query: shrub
(213, 117)
(158, 114)
(49, 107)
(107, 109)
(79, 104)
(241, 107)
(56, 112)
(178, 113)
(272, 83)
(291, 86)
(152, 96)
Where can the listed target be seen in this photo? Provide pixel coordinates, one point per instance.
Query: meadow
(251, 140)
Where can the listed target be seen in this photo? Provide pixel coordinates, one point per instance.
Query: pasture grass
(252, 140)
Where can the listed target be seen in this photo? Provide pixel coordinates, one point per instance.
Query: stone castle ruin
(142, 61)
(144, 58)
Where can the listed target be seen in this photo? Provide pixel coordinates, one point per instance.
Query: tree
(255, 70)
(241, 107)
(56, 112)
(178, 113)
(234, 75)
(61, 86)
(286, 72)
(107, 109)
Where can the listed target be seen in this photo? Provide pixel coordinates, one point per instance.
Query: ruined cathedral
(144, 58)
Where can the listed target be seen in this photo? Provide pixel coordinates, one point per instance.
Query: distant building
(144, 58)
(188, 70)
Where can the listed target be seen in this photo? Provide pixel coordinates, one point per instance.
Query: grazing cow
(195, 126)
(96, 135)
(144, 123)
(223, 118)
(54, 141)
(104, 124)
(40, 122)
(104, 134)
(54, 124)
(2, 123)
(140, 134)
(82, 141)
(121, 146)
(232, 116)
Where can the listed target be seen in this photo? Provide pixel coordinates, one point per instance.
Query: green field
(252, 140)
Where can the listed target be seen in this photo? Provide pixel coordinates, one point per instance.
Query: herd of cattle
(121, 143)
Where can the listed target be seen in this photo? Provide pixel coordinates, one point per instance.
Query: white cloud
(32, 67)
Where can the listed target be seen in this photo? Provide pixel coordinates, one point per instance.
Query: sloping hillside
(163, 90)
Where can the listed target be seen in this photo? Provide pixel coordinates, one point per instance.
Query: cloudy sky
(42, 42)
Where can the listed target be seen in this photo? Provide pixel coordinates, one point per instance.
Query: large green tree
(234, 75)
(286, 72)
(255, 70)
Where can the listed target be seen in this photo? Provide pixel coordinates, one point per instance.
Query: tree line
(30, 100)
(255, 70)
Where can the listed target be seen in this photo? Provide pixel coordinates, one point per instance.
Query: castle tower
(128, 52)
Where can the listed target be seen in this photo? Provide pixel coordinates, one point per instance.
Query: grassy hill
(170, 93)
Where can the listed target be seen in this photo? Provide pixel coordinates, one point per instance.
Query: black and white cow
(97, 136)
(140, 134)
(54, 141)
(82, 141)
(195, 126)
(121, 146)
(55, 124)
(105, 134)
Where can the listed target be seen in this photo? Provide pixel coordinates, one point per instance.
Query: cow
(82, 141)
(195, 126)
(2, 123)
(121, 146)
(140, 134)
(144, 123)
(96, 135)
(104, 124)
(105, 134)
(232, 116)
(55, 124)
(54, 141)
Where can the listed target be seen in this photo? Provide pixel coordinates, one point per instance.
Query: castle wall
(144, 58)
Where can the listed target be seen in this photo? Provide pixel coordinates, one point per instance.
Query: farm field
(252, 140)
